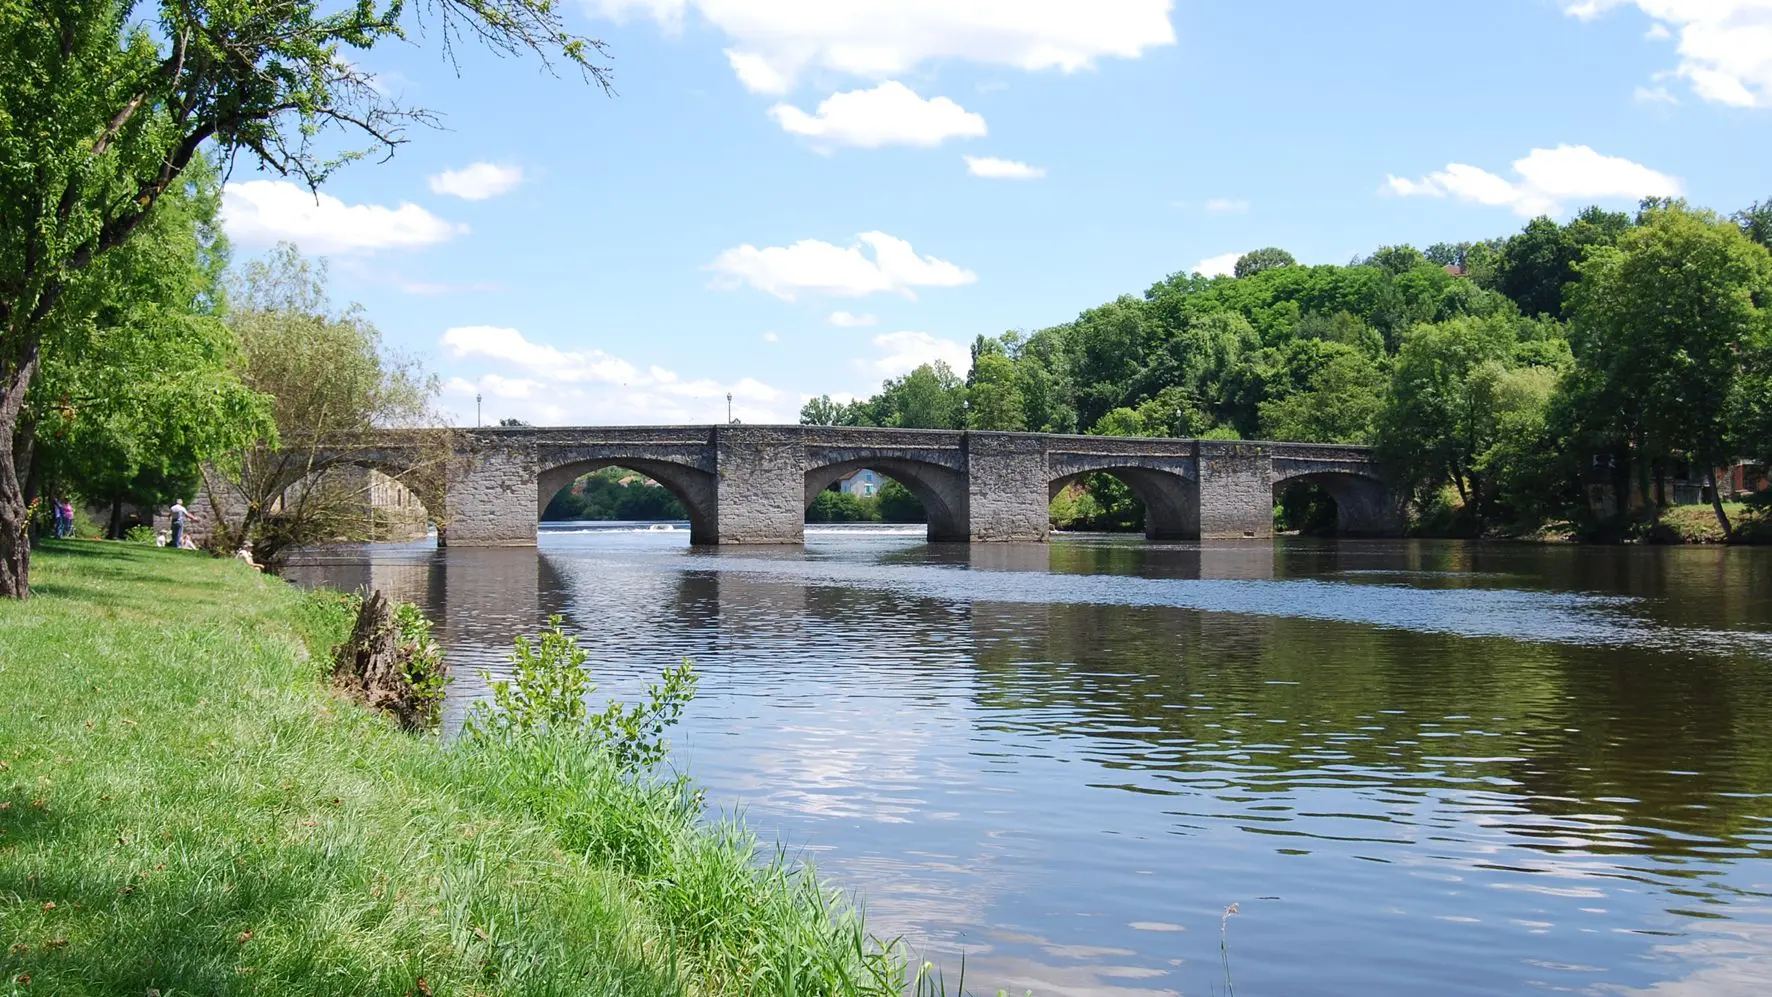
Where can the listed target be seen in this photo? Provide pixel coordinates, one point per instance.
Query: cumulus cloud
(774, 42)
(903, 352)
(551, 386)
(820, 268)
(770, 337)
(1548, 178)
(1724, 46)
(1002, 169)
(264, 212)
(478, 181)
(1223, 265)
(889, 114)
(845, 320)
(1226, 206)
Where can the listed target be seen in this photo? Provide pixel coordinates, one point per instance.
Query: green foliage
(135, 397)
(139, 535)
(1666, 324)
(1252, 263)
(1756, 222)
(547, 692)
(1456, 362)
(613, 493)
(842, 507)
(426, 672)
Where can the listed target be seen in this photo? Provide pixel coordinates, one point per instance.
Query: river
(1412, 767)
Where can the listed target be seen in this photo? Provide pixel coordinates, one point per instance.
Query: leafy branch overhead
(107, 105)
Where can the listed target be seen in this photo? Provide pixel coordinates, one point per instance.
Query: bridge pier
(1236, 490)
(491, 494)
(760, 492)
(1006, 476)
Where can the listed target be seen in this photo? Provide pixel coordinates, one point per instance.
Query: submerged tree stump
(381, 670)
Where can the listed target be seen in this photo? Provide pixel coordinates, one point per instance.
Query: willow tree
(104, 104)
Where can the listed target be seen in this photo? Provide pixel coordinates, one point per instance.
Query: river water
(1412, 767)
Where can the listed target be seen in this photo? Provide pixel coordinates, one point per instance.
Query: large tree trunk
(1716, 501)
(15, 542)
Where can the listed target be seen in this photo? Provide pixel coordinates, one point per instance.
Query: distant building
(1456, 270)
(863, 483)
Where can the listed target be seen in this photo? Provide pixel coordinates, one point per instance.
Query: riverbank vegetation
(1575, 375)
(187, 806)
(614, 493)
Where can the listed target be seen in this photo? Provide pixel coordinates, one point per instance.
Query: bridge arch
(1171, 496)
(692, 486)
(940, 488)
(1365, 505)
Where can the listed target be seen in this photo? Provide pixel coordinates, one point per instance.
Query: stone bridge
(746, 484)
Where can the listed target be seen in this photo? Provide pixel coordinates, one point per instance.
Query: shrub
(547, 690)
(139, 534)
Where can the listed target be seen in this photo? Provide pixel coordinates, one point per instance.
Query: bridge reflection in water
(1425, 768)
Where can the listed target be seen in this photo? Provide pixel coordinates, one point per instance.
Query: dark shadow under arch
(942, 490)
(1171, 501)
(1364, 506)
(692, 486)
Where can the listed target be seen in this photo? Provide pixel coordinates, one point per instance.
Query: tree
(1396, 260)
(1337, 402)
(993, 394)
(101, 115)
(930, 397)
(1440, 415)
(1756, 222)
(821, 411)
(332, 386)
(1252, 263)
(1666, 324)
(1536, 265)
(135, 399)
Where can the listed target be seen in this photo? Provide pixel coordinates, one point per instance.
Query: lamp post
(728, 408)
(476, 410)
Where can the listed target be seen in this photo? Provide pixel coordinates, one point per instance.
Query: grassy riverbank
(185, 808)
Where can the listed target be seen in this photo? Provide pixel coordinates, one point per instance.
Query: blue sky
(792, 197)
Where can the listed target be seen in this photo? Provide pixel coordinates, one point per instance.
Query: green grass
(1696, 524)
(189, 810)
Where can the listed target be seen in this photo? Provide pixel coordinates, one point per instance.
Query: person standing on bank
(55, 512)
(64, 511)
(177, 514)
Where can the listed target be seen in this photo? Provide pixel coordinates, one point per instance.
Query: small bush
(139, 534)
(547, 690)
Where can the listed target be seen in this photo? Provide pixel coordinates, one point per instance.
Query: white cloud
(579, 387)
(1548, 179)
(1226, 206)
(770, 337)
(1002, 169)
(478, 181)
(844, 320)
(773, 42)
(814, 267)
(903, 352)
(1658, 32)
(1725, 46)
(1218, 266)
(1654, 95)
(264, 212)
(889, 114)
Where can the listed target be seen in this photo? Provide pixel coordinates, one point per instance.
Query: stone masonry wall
(752, 483)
